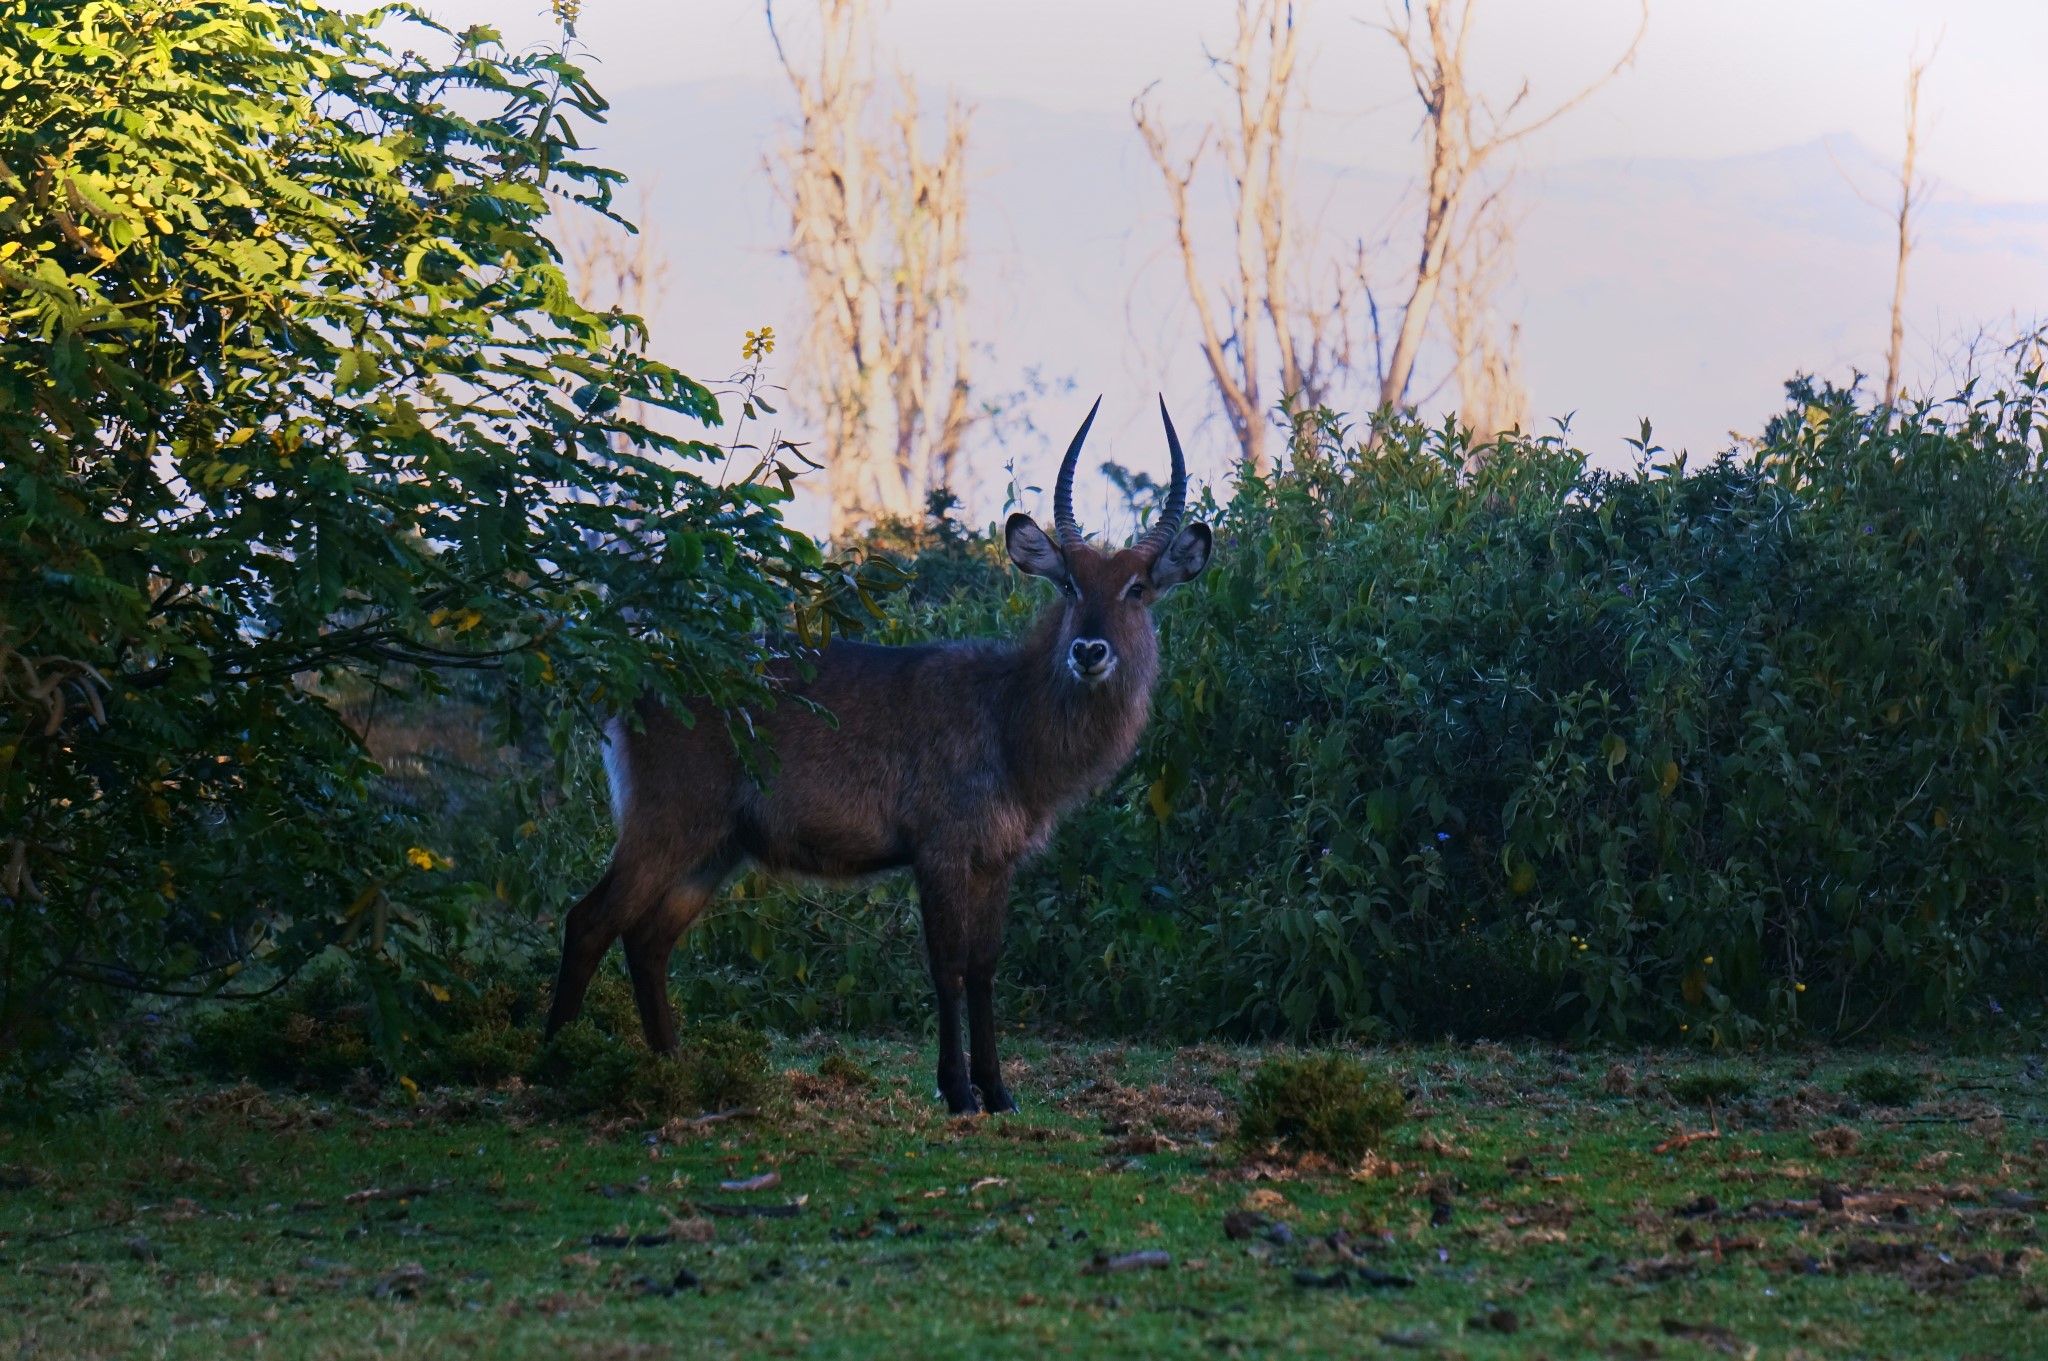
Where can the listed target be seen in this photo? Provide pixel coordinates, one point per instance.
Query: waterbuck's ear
(1032, 551)
(1183, 559)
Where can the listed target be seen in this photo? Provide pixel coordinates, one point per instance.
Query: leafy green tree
(292, 389)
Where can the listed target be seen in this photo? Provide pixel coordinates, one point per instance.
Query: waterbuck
(953, 760)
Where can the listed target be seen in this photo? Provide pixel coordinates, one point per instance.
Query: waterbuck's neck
(1065, 737)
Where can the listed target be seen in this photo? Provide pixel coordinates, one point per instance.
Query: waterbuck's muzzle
(1092, 660)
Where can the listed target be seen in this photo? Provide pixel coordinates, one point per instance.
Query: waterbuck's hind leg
(588, 930)
(650, 944)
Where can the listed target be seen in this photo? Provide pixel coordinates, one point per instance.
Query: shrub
(313, 1034)
(1536, 749)
(1885, 1084)
(1326, 1104)
(720, 1066)
(844, 1071)
(584, 1069)
(1715, 1084)
(599, 1064)
(726, 1064)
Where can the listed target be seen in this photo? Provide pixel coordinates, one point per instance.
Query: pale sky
(1686, 243)
(1713, 78)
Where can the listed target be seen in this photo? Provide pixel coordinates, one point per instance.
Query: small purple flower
(1627, 589)
(1996, 1010)
(1870, 529)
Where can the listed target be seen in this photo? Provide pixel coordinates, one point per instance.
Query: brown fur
(953, 760)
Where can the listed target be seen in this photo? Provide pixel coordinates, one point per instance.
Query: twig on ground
(1683, 1140)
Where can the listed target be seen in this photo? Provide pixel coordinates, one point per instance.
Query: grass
(1884, 1084)
(1524, 1197)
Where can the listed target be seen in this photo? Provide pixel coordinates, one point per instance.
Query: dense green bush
(1724, 751)
(1326, 1104)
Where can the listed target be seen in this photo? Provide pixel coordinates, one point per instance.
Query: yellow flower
(1710, 959)
(422, 858)
(1799, 987)
(759, 344)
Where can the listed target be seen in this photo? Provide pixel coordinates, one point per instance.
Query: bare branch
(1627, 59)
(1457, 157)
(878, 228)
(1268, 295)
(1908, 194)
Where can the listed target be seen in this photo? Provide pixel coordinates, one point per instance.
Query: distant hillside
(1686, 291)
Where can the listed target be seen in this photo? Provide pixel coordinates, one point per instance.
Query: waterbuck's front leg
(989, 909)
(944, 899)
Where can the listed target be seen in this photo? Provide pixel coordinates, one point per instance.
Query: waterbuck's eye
(1134, 589)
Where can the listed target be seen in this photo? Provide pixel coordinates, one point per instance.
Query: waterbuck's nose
(1089, 653)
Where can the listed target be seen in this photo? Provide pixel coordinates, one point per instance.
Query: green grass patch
(1519, 1209)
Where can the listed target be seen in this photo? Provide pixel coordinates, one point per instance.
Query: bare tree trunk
(1908, 192)
(1459, 150)
(1485, 349)
(1265, 296)
(878, 227)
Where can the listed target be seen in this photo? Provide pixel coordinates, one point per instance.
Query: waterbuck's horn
(1171, 513)
(1063, 490)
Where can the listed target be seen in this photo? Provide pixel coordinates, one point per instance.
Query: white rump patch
(615, 771)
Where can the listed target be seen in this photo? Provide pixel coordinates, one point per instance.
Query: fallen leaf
(694, 1229)
(1651, 1270)
(392, 1193)
(1697, 1208)
(1679, 1141)
(1413, 1341)
(1137, 1144)
(1712, 1334)
(404, 1283)
(763, 1182)
(790, 1210)
(1106, 1265)
(1499, 1320)
(638, 1240)
(1241, 1224)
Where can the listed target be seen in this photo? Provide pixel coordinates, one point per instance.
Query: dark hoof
(962, 1103)
(998, 1102)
